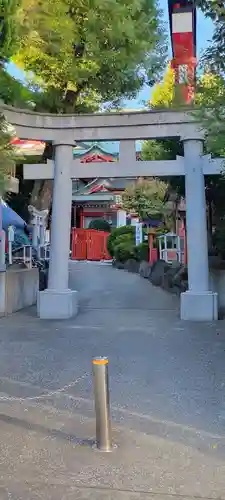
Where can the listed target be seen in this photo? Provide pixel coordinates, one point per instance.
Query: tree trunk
(41, 196)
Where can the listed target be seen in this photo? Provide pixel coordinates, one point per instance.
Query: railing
(172, 254)
(25, 258)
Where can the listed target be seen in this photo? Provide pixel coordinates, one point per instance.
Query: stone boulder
(117, 264)
(132, 266)
(159, 269)
(180, 279)
(145, 269)
(170, 273)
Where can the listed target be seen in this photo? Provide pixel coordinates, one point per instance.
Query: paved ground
(167, 382)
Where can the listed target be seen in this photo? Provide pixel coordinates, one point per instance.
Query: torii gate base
(199, 307)
(52, 304)
(58, 302)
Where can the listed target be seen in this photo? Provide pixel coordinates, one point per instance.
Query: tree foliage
(211, 90)
(145, 198)
(100, 225)
(14, 93)
(9, 28)
(164, 96)
(209, 104)
(209, 109)
(214, 56)
(163, 93)
(89, 50)
(7, 163)
(210, 101)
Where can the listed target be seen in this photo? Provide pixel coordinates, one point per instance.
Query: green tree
(7, 161)
(9, 28)
(163, 93)
(89, 51)
(100, 225)
(146, 198)
(214, 57)
(209, 109)
(14, 93)
(210, 103)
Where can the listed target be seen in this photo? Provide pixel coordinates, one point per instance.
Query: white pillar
(35, 232)
(198, 303)
(121, 218)
(58, 302)
(42, 234)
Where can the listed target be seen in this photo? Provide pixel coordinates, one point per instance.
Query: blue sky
(204, 35)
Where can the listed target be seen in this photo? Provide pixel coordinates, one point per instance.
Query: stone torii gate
(57, 301)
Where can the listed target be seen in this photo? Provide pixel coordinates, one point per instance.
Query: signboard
(138, 233)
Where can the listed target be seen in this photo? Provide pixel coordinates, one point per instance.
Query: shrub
(123, 238)
(100, 225)
(125, 250)
(115, 234)
(142, 251)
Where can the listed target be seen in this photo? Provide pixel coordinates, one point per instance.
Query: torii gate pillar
(198, 303)
(57, 301)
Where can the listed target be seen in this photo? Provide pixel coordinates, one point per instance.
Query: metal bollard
(102, 409)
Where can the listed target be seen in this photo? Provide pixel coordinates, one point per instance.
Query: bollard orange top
(100, 361)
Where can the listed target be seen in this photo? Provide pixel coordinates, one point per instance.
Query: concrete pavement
(167, 381)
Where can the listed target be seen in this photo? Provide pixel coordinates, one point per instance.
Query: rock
(132, 266)
(118, 265)
(180, 279)
(167, 280)
(145, 269)
(159, 268)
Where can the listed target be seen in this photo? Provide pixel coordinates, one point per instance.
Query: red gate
(89, 244)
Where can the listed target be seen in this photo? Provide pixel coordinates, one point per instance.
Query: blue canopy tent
(11, 218)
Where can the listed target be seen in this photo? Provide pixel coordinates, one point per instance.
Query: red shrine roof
(96, 158)
(98, 188)
(28, 147)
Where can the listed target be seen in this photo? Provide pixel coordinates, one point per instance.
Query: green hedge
(121, 245)
(117, 233)
(124, 251)
(142, 252)
(100, 225)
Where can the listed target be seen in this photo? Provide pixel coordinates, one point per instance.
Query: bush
(125, 250)
(116, 233)
(142, 251)
(100, 225)
(123, 238)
